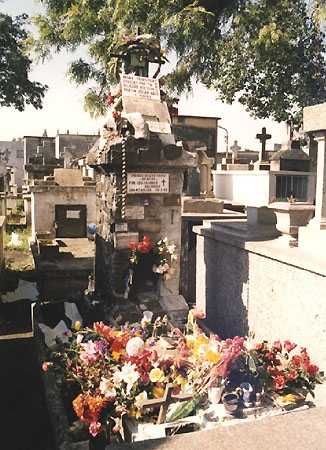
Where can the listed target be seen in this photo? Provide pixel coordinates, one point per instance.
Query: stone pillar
(312, 238)
(319, 221)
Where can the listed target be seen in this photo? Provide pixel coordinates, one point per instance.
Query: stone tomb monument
(139, 184)
(312, 238)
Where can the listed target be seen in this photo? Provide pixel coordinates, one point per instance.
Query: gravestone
(263, 137)
(139, 182)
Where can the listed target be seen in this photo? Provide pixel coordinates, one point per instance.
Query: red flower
(312, 370)
(279, 382)
(304, 353)
(296, 360)
(273, 371)
(132, 246)
(197, 313)
(116, 115)
(278, 345)
(293, 375)
(289, 346)
(110, 99)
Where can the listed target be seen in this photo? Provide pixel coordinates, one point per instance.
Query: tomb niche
(139, 185)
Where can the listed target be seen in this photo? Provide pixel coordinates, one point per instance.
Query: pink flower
(198, 314)
(279, 382)
(289, 346)
(296, 360)
(278, 345)
(293, 375)
(95, 428)
(90, 352)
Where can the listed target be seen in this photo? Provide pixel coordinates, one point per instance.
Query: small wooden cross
(263, 136)
(165, 401)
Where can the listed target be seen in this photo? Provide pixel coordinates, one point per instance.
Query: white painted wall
(252, 187)
(43, 201)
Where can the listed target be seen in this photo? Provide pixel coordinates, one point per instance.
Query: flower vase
(214, 394)
(231, 402)
(100, 441)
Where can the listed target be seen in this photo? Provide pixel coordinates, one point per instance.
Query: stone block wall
(275, 291)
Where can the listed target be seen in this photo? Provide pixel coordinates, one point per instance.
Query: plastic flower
(156, 375)
(135, 346)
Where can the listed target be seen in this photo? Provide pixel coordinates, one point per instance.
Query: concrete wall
(77, 144)
(253, 188)
(44, 199)
(276, 291)
(15, 158)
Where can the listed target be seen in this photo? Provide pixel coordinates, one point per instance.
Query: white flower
(129, 375)
(171, 249)
(135, 346)
(166, 266)
(117, 378)
(140, 398)
(106, 388)
(79, 338)
(158, 269)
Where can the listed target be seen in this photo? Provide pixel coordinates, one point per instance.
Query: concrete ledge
(235, 233)
(297, 430)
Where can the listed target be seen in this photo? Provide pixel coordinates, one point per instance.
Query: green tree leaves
(268, 54)
(16, 89)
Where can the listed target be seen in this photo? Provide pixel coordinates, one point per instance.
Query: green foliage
(16, 89)
(267, 53)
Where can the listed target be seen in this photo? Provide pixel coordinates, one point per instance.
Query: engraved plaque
(148, 183)
(135, 212)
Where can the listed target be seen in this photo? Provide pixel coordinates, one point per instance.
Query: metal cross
(263, 136)
(165, 401)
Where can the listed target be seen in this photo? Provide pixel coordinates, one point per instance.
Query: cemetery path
(24, 421)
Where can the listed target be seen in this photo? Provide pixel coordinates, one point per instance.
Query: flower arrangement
(148, 259)
(115, 370)
(286, 376)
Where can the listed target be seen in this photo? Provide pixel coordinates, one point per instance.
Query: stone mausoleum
(139, 185)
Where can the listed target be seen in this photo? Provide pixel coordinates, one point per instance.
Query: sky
(63, 104)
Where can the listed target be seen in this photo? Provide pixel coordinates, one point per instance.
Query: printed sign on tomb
(148, 183)
(141, 87)
(159, 127)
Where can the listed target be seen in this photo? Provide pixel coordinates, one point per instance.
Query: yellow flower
(158, 392)
(289, 398)
(181, 381)
(212, 356)
(156, 375)
(116, 355)
(190, 341)
(133, 412)
(77, 325)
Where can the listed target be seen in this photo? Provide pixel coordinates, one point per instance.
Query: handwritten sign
(148, 183)
(141, 87)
